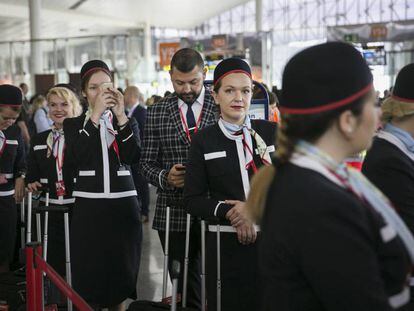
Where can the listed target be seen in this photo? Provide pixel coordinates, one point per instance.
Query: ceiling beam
(22, 12)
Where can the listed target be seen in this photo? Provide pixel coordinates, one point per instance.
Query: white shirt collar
(199, 100)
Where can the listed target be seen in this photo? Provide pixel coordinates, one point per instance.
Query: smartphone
(181, 168)
(106, 85)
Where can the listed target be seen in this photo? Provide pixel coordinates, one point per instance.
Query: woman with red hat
(12, 170)
(222, 159)
(106, 227)
(389, 164)
(330, 239)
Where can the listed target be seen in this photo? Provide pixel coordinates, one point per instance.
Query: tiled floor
(149, 285)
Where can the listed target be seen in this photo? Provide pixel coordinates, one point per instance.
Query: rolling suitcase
(203, 266)
(46, 209)
(175, 272)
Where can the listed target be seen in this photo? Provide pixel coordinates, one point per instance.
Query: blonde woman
(48, 166)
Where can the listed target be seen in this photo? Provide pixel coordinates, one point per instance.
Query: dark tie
(191, 122)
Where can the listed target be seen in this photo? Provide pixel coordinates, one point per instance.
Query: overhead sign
(219, 42)
(167, 50)
(391, 32)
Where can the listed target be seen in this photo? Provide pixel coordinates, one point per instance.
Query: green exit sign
(352, 37)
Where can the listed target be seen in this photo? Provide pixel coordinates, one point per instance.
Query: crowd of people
(300, 230)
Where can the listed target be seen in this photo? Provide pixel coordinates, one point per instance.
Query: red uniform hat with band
(403, 89)
(93, 66)
(10, 96)
(231, 65)
(324, 77)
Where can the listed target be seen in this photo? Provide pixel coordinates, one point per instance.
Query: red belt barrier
(35, 267)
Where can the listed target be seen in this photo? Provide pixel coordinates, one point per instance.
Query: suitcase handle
(43, 188)
(52, 208)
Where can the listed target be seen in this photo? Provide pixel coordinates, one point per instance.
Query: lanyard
(187, 130)
(60, 156)
(251, 163)
(116, 149)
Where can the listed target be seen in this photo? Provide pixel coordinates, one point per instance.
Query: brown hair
(14, 108)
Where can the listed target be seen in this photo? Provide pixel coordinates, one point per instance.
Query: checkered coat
(165, 144)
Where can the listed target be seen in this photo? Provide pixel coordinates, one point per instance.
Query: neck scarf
(54, 140)
(402, 135)
(2, 142)
(106, 122)
(246, 133)
(361, 187)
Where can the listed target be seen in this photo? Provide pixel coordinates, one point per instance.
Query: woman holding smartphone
(106, 227)
(222, 159)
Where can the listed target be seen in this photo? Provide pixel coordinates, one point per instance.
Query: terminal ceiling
(68, 18)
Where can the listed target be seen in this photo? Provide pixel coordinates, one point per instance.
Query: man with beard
(167, 137)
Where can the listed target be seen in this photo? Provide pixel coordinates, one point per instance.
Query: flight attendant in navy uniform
(106, 227)
(330, 239)
(389, 164)
(12, 170)
(49, 166)
(222, 159)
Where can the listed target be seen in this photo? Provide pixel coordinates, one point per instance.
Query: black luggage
(175, 272)
(13, 290)
(65, 214)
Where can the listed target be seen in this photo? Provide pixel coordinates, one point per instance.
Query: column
(36, 59)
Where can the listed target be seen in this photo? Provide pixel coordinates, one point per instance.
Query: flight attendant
(106, 226)
(49, 166)
(330, 239)
(12, 170)
(222, 159)
(389, 164)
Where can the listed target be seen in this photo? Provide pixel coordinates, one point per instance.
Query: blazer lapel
(208, 111)
(176, 120)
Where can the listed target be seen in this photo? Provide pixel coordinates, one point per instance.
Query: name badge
(3, 179)
(60, 188)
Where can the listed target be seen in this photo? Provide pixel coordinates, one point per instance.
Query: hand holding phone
(106, 85)
(176, 176)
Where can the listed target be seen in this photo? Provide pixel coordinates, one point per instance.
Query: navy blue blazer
(140, 114)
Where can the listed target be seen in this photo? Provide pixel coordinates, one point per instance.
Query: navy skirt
(106, 239)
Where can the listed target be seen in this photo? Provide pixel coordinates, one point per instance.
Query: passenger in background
(12, 170)
(331, 240)
(133, 99)
(49, 166)
(221, 161)
(389, 164)
(167, 137)
(106, 226)
(24, 116)
(274, 113)
(40, 114)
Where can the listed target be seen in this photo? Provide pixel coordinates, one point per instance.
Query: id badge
(60, 188)
(3, 179)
